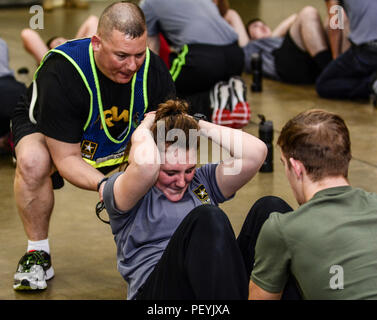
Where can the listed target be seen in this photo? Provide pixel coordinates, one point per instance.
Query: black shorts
(10, 92)
(200, 67)
(294, 65)
(21, 124)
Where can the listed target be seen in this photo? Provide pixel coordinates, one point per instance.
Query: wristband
(102, 181)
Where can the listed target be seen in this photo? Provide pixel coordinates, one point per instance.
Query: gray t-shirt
(187, 22)
(142, 233)
(362, 17)
(265, 46)
(4, 60)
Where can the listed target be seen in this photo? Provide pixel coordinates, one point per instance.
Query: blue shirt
(142, 233)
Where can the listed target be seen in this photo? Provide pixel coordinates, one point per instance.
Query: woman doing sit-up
(173, 242)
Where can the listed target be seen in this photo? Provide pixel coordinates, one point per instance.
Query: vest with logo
(98, 147)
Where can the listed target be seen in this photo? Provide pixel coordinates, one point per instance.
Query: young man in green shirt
(328, 244)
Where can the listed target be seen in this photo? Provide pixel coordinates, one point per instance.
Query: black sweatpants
(293, 65)
(204, 260)
(201, 262)
(248, 236)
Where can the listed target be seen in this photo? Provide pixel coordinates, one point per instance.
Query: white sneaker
(220, 103)
(240, 108)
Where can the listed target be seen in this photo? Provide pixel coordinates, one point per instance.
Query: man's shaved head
(125, 17)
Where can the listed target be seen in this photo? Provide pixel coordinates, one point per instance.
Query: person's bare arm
(33, 44)
(335, 34)
(143, 169)
(154, 43)
(88, 28)
(247, 156)
(257, 293)
(283, 27)
(234, 19)
(71, 166)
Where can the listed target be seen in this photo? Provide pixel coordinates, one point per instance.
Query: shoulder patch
(202, 194)
(88, 149)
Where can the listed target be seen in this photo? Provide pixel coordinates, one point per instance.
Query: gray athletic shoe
(34, 268)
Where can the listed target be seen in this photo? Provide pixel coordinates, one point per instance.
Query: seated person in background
(34, 44)
(173, 241)
(199, 60)
(230, 15)
(295, 52)
(10, 91)
(352, 75)
(328, 244)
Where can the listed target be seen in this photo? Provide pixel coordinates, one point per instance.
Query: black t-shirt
(63, 103)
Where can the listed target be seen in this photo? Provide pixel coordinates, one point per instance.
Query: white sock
(38, 245)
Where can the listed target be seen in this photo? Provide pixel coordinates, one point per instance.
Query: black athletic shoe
(34, 268)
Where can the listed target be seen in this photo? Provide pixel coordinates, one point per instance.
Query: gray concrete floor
(83, 250)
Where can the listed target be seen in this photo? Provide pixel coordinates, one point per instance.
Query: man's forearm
(334, 34)
(71, 166)
(257, 293)
(78, 172)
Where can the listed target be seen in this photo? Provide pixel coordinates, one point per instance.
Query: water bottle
(256, 71)
(266, 134)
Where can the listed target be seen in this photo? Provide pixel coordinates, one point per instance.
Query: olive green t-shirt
(329, 244)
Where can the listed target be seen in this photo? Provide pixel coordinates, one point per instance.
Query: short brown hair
(174, 113)
(320, 140)
(125, 17)
(250, 22)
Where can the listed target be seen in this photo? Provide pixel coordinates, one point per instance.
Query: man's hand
(100, 191)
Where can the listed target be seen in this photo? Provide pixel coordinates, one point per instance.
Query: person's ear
(96, 42)
(297, 167)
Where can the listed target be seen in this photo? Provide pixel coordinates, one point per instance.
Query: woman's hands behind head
(149, 119)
